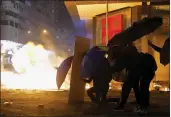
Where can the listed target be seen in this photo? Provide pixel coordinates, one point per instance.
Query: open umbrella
(91, 61)
(136, 31)
(165, 53)
(63, 70)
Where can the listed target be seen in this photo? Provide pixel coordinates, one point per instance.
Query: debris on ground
(8, 103)
(40, 106)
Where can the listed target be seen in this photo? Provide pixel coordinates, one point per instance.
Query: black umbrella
(62, 71)
(165, 53)
(136, 31)
(91, 61)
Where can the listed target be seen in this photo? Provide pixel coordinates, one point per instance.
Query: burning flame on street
(34, 70)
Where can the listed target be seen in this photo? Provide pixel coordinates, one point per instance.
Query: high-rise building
(42, 22)
(27, 20)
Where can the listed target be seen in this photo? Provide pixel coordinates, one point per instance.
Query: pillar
(77, 85)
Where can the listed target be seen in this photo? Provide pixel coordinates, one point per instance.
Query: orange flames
(35, 70)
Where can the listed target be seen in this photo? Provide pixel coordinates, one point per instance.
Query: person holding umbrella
(131, 59)
(127, 57)
(97, 68)
(141, 69)
(148, 66)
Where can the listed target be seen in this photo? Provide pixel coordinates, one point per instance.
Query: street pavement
(53, 103)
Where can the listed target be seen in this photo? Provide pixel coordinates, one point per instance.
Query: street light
(44, 31)
(29, 32)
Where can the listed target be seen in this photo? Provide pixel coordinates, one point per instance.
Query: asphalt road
(53, 103)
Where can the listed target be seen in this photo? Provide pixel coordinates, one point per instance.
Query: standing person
(127, 57)
(142, 73)
(148, 68)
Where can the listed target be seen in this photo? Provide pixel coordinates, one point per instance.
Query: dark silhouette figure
(148, 67)
(127, 57)
(101, 79)
(96, 68)
(141, 69)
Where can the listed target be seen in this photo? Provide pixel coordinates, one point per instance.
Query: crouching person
(101, 79)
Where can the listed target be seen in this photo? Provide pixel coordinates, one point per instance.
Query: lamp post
(106, 22)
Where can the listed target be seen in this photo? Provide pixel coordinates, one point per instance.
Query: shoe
(143, 111)
(119, 108)
(104, 102)
(136, 109)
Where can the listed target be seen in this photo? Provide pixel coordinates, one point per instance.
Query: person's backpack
(148, 62)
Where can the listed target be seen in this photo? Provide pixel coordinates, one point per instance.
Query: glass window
(11, 23)
(19, 7)
(15, 15)
(4, 22)
(15, 5)
(16, 25)
(19, 26)
(10, 13)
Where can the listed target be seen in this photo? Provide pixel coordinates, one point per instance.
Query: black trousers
(132, 81)
(144, 88)
(98, 93)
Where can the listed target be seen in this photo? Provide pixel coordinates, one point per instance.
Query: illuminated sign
(115, 25)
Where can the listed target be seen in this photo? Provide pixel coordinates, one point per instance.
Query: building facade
(40, 22)
(24, 20)
(122, 14)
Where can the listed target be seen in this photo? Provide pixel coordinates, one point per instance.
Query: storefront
(120, 16)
